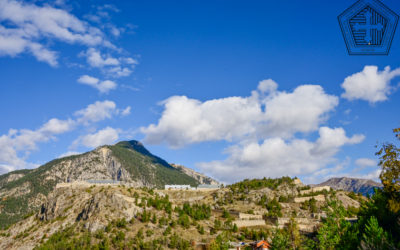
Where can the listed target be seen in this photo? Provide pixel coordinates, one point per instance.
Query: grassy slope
(142, 165)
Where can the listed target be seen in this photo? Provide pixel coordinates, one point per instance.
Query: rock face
(90, 206)
(363, 186)
(13, 176)
(128, 162)
(201, 178)
(99, 164)
(93, 207)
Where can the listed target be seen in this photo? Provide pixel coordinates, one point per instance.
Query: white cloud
(107, 135)
(102, 86)
(119, 71)
(116, 67)
(330, 140)
(42, 54)
(6, 168)
(31, 28)
(95, 59)
(270, 132)
(16, 145)
(370, 84)
(373, 175)
(267, 112)
(115, 31)
(268, 85)
(97, 111)
(126, 111)
(26, 140)
(276, 157)
(303, 110)
(69, 153)
(366, 162)
(24, 25)
(185, 121)
(56, 126)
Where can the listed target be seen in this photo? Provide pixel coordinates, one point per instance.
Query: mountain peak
(135, 145)
(139, 147)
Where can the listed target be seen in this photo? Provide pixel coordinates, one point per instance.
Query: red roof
(262, 243)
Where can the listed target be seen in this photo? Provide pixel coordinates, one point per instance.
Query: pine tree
(375, 237)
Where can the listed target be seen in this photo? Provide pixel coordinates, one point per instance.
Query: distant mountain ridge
(23, 191)
(364, 186)
(203, 179)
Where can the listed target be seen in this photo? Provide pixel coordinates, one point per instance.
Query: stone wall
(315, 189)
(244, 216)
(249, 223)
(320, 197)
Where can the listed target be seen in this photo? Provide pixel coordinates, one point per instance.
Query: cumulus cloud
(330, 140)
(302, 110)
(276, 157)
(267, 112)
(56, 126)
(23, 26)
(370, 84)
(107, 135)
(97, 111)
(268, 85)
(102, 86)
(16, 145)
(185, 121)
(271, 132)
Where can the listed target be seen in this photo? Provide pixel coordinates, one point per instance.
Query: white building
(178, 187)
(207, 187)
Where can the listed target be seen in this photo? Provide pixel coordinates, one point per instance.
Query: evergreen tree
(334, 227)
(280, 240)
(375, 237)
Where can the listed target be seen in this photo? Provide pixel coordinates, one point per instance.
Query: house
(260, 245)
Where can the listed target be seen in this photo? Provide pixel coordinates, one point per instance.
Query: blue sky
(233, 89)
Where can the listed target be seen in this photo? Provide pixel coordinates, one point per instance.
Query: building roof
(261, 243)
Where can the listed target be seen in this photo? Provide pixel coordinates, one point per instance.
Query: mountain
(201, 178)
(363, 186)
(23, 191)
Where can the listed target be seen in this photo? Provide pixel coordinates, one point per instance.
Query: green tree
(334, 227)
(375, 237)
(274, 208)
(280, 240)
(294, 233)
(389, 156)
